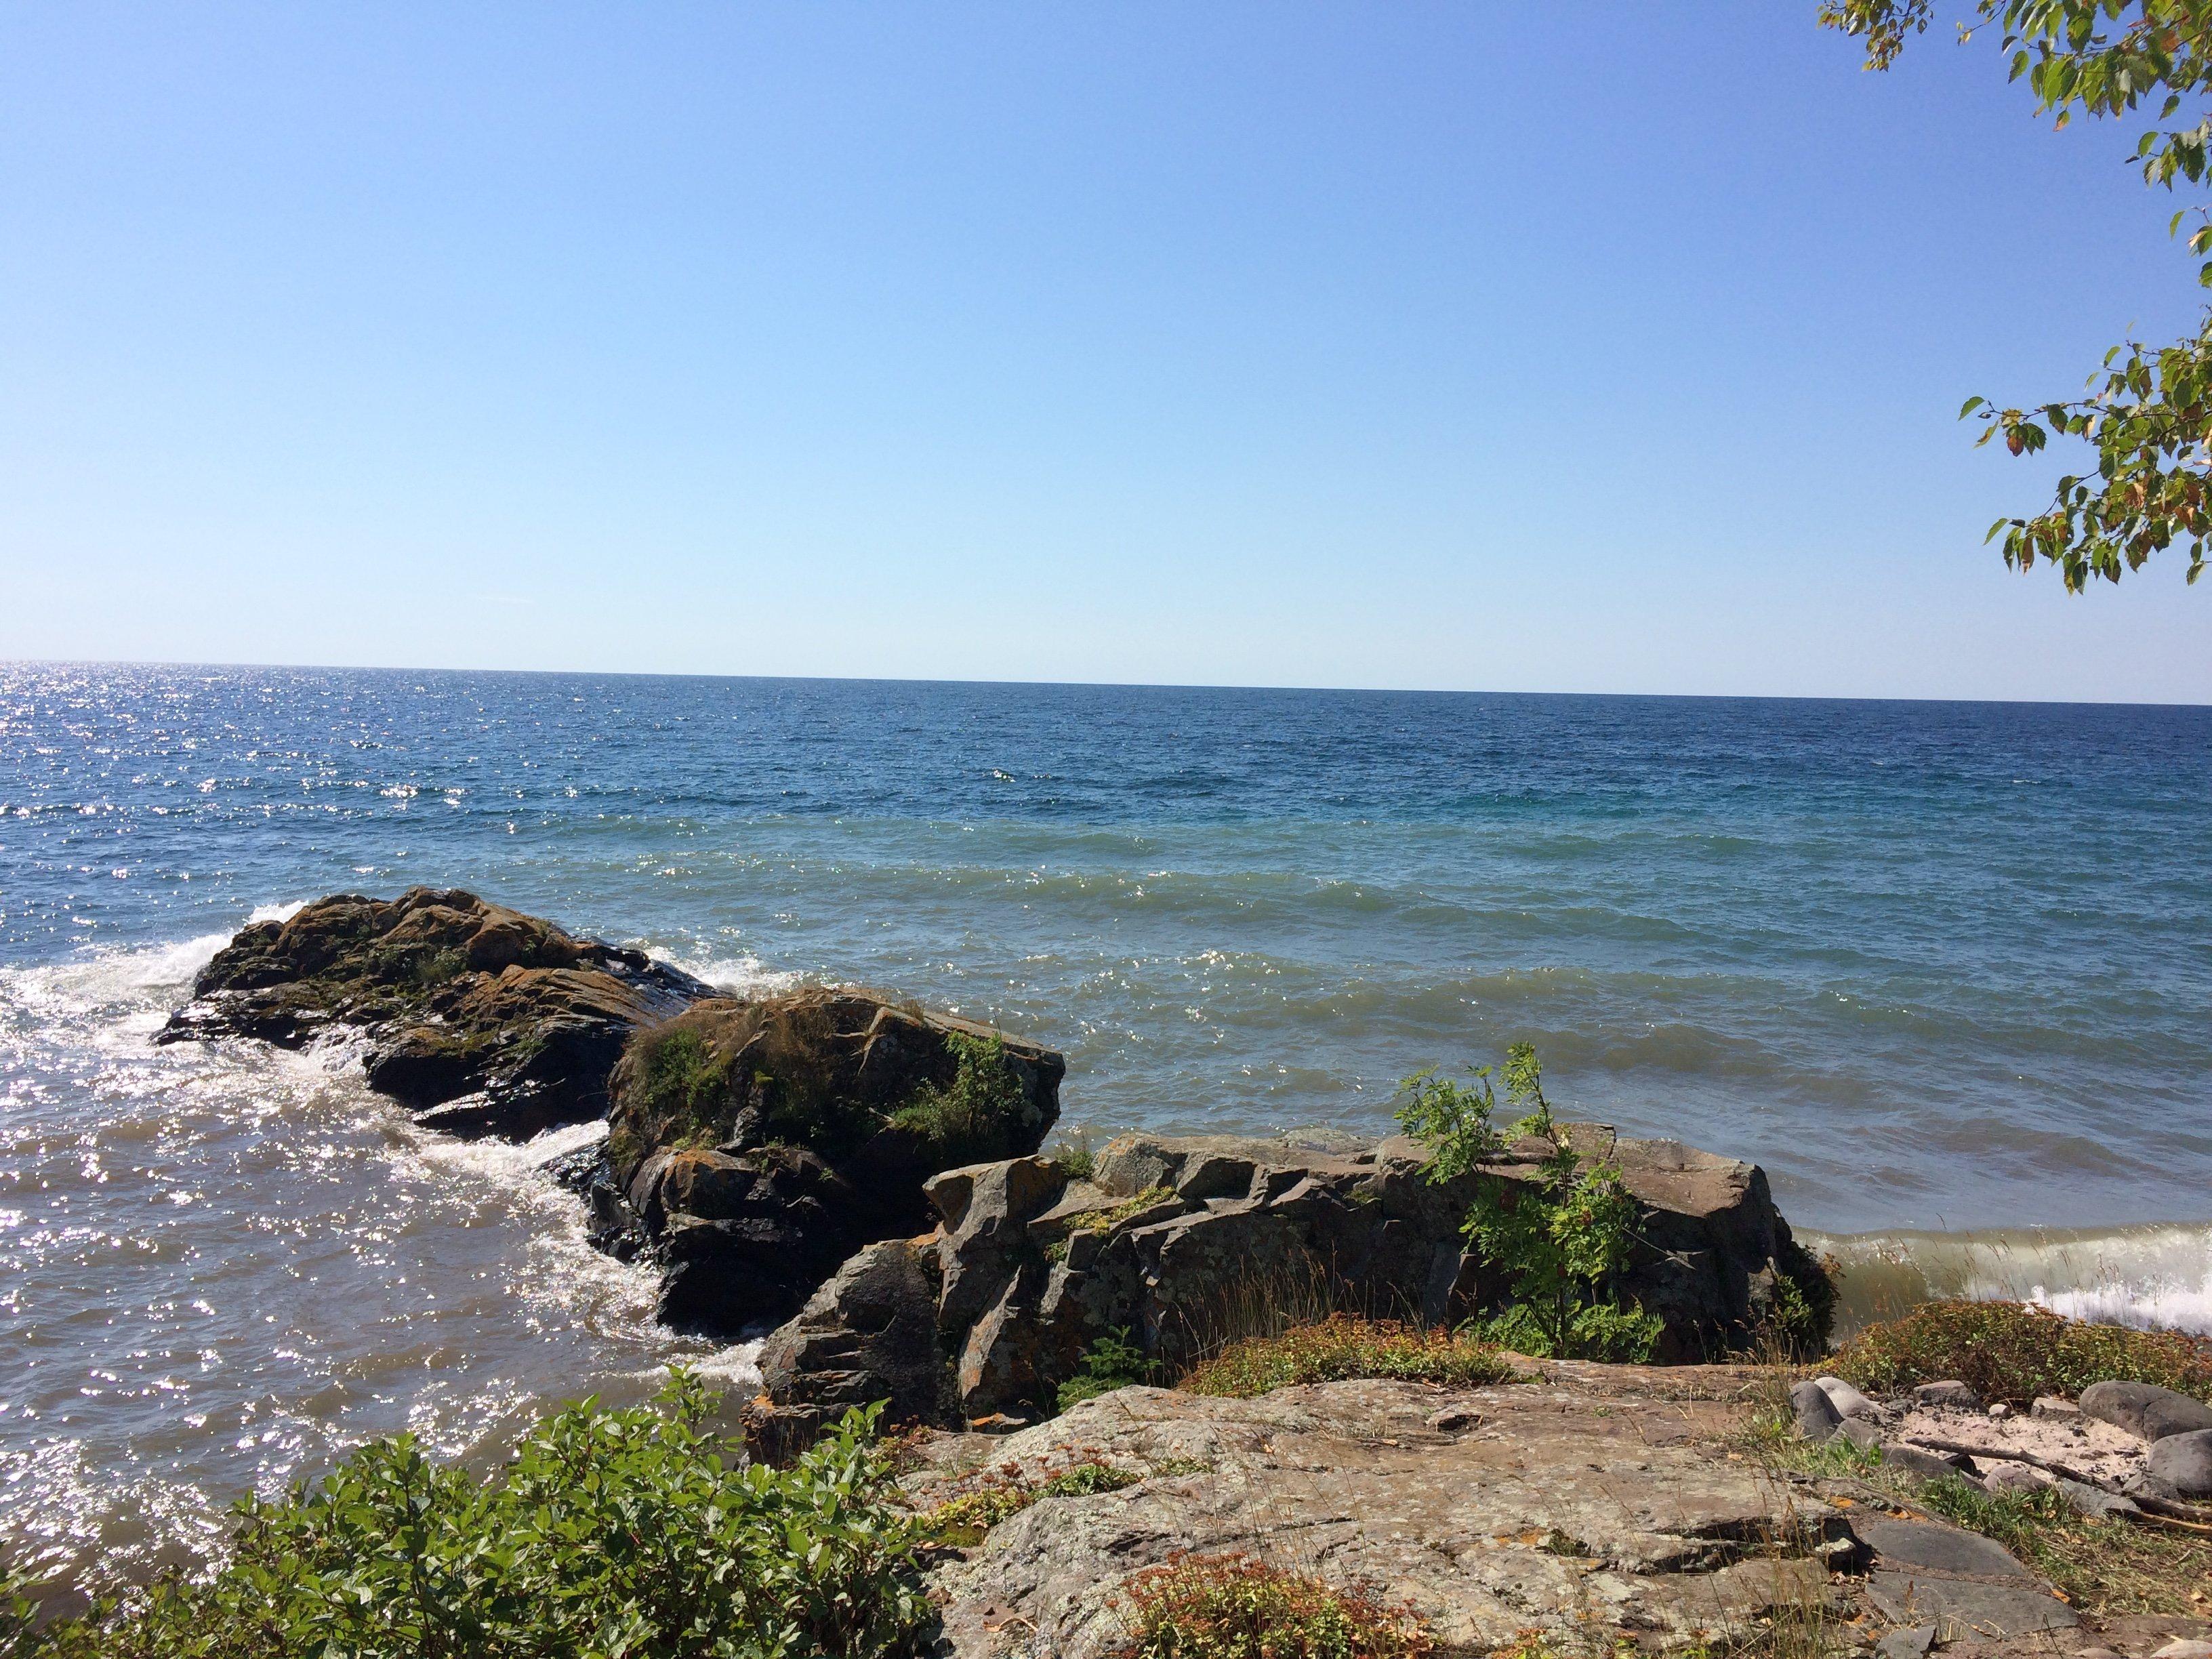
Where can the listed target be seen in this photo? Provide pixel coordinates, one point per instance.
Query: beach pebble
(1999, 1412)
(2145, 1410)
(1848, 1400)
(2094, 1501)
(1817, 1418)
(2052, 1409)
(2181, 1464)
(2018, 1477)
(1928, 1464)
(1956, 1395)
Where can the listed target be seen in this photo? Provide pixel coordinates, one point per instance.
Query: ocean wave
(2156, 1276)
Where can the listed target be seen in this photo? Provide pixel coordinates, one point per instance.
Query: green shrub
(1076, 1160)
(2012, 1352)
(1563, 1233)
(1110, 1363)
(609, 1532)
(1230, 1606)
(966, 1121)
(1340, 1348)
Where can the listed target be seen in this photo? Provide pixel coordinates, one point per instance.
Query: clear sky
(1564, 347)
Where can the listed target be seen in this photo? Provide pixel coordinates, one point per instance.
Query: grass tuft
(1230, 1606)
(1343, 1346)
(962, 1522)
(2012, 1352)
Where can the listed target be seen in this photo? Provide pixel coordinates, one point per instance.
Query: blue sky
(1564, 347)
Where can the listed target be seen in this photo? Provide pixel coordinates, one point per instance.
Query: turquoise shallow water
(1936, 966)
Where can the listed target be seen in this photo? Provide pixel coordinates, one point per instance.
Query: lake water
(1944, 969)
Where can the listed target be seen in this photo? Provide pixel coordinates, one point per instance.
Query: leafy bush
(1110, 1363)
(2012, 1351)
(964, 1121)
(1230, 1606)
(610, 1533)
(1564, 1232)
(1343, 1346)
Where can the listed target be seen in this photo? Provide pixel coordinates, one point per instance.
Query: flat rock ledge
(1594, 1505)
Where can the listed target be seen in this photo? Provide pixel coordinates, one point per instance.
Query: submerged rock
(482, 1020)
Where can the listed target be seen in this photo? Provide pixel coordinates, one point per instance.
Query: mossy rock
(889, 1093)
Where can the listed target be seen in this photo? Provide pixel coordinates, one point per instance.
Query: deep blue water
(1944, 965)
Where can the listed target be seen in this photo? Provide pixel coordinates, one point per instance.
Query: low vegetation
(1112, 1362)
(2012, 1351)
(1343, 1346)
(1562, 1232)
(629, 1532)
(964, 1121)
(1231, 1607)
(963, 1520)
(1105, 1220)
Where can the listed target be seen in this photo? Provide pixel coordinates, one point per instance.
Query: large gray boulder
(2145, 1410)
(2180, 1465)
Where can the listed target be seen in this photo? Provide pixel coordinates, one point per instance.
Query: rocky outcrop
(754, 1146)
(1177, 1244)
(1593, 1506)
(482, 1020)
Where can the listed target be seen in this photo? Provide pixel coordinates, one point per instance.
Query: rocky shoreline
(866, 1181)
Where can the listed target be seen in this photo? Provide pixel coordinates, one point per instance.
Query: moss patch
(1343, 1346)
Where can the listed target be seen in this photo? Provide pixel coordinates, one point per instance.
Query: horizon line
(1076, 684)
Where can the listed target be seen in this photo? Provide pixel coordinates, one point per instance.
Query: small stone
(1848, 1400)
(1928, 1464)
(2183, 1647)
(2096, 1653)
(1953, 1395)
(2052, 1409)
(1455, 1419)
(1863, 1432)
(2018, 1477)
(2094, 1501)
(1999, 1412)
(1908, 1643)
(1816, 1416)
(2181, 1464)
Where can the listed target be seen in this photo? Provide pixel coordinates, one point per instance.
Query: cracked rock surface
(1598, 1501)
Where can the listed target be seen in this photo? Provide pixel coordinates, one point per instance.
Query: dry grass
(1341, 1347)
(2012, 1352)
(1230, 1606)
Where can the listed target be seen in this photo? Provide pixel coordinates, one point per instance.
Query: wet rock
(1815, 1414)
(2181, 1464)
(2145, 1410)
(1964, 1583)
(1949, 1396)
(481, 1019)
(869, 1334)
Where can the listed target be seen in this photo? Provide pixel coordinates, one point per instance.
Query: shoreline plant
(1562, 1233)
(619, 1532)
